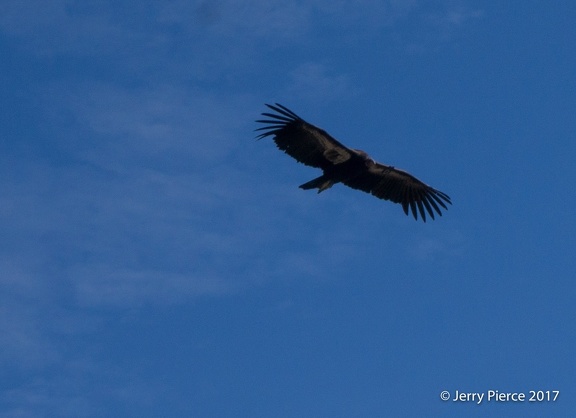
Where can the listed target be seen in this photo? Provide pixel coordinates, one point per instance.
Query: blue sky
(156, 260)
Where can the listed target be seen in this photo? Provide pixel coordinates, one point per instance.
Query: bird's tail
(321, 183)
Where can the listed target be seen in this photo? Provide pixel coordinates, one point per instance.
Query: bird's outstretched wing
(301, 140)
(398, 186)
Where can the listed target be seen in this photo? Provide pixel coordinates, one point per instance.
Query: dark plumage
(315, 147)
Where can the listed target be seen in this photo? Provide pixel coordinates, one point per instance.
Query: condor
(316, 148)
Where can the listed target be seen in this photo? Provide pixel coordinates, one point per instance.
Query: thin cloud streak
(314, 81)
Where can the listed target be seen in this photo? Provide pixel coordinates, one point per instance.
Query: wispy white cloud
(49, 28)
(314, 81)
(448, 20)
(442, 244)
(366, 14)
(26, 342)
(255, 26)
(172, 121)
(81, 387)
(109, 286)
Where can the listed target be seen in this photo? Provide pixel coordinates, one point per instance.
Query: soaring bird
(313, 146)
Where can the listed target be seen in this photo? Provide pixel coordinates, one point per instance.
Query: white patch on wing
(336, 156)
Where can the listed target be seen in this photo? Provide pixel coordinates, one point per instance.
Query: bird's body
(315, 147)
(341, 172)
